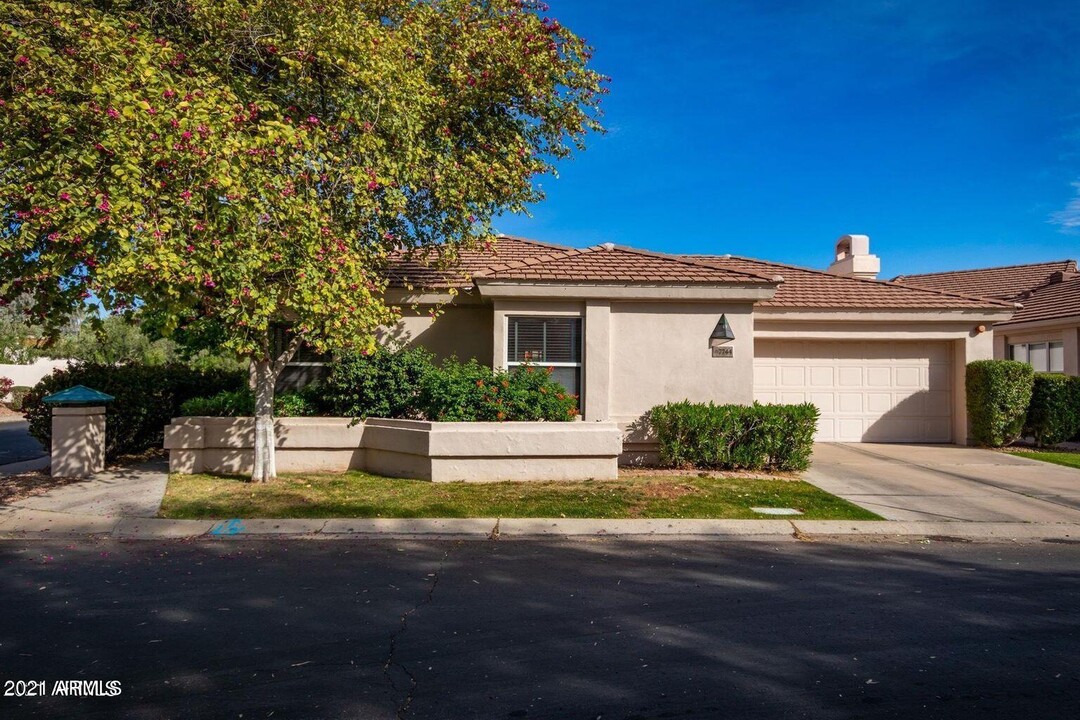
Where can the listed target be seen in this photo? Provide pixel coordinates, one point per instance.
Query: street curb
(24, 524)
(38, 463)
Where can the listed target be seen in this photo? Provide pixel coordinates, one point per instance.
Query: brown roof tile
(1007, 282)
(612, 263)
(423, 272)
(512, 258)
(806, 288)
(1049, 302)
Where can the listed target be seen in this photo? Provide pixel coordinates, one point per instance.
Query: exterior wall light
(721, 334)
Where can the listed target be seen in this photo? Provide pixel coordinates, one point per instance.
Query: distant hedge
(1053, 416)
(147, 398)
(998, 395)
(732, 437)
(241, 403)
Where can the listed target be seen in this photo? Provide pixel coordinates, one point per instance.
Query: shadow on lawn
(543, 629)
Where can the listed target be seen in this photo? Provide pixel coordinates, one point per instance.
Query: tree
(258, 161)
(19, 339)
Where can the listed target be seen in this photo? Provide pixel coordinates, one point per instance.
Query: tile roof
(1000, 282)
(512, 258)
(806, 288)
(423, 272)
(612, 263)
(1056, 300)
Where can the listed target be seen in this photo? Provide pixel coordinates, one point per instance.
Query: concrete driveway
(946, 482)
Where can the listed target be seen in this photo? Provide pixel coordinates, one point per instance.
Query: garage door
(866, 392)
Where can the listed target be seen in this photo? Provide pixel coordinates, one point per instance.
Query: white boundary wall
(435, 451)
(30, 375)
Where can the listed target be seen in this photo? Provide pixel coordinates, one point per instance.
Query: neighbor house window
(1044, 356)
(553, 342)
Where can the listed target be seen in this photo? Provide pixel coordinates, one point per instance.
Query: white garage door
(866, 391)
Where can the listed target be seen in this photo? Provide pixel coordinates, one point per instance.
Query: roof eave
(622, 290)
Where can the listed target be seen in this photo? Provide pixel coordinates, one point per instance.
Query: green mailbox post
(78, 431)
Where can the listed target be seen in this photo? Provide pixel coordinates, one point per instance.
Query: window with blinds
(280, 338)
(550, 341)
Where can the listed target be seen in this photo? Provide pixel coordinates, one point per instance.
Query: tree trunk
(265, 371)
(265, 467)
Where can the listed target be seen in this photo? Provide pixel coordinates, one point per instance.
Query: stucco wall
(462, 330)
(1067, 334)
(29, 375)
(440, 452)
(660, 353)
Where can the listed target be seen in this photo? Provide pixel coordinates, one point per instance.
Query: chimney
(853, 258)
(1060, 276)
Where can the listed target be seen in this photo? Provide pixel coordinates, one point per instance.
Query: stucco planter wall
(441, 452)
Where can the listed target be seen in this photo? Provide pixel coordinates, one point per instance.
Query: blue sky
(948, 131)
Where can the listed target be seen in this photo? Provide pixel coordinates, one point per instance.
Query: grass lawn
(360, 495)
(1068, 459)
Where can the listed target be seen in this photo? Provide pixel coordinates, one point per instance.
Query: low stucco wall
(440, 452)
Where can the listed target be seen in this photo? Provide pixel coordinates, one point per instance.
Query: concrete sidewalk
(22, 523)
(123, 504)
(133, 491)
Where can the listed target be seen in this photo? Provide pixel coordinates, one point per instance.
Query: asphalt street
(544, 629)
(16, 442)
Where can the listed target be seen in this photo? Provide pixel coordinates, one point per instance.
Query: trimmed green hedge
(998, 395)
(471, 392)
(407, 384)
(382, 383)
(731, 437)
(18, 396)
(147, 398)
(241, 403)
(1053, 416)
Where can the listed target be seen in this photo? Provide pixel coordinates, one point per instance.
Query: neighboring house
(629, 329)
(1045, 331)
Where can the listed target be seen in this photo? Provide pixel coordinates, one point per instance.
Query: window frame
(510, 354)
(1047, 346)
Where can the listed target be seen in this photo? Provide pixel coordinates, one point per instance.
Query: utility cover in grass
(777, 511)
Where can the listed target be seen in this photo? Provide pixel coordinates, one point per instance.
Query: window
(1044, 356)
(282, 335)
(549, 341)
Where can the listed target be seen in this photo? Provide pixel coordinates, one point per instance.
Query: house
(1045, 331)
(628, 329)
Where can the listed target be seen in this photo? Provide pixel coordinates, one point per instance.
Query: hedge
(241, 403)
(147, 398)
(732, 437)
(471, 392)
(18, 396)
(382, 383)
(407, 384)
(1053, 416)
(998, 395)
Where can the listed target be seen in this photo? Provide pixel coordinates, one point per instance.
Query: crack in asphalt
(391, 659)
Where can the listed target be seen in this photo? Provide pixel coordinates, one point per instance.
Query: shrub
(754, 437)
(998, 395)
(241, 403)
(382, 383)
(228, 403)
(18, 397)
(467, 392)
(1053, 415)
(5, 386)
(147, 398)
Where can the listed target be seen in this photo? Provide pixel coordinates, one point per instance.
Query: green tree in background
(258, 161)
